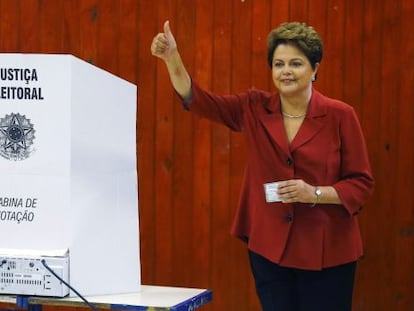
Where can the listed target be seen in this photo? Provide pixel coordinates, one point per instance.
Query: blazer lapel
(273, 123)
(313, 122)
(309, 128)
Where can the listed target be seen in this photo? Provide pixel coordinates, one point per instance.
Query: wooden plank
(147, 27)
(386, 136)
(183, 153)
(128, 40)
(71, 28)
(108, 21)
(202, 206)
(298, 10)
(334, 40)
(317, 18)
(260, 28)
(10, 26)
(352, 55)
(29, 26)
(373, 259)
(89, 13)
(353, 95)
(279, 12)
(240, 82)
(50, 26)
(402, 197)
(220, 200)
(164, 161)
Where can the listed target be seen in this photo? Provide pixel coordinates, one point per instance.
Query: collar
(312, 124)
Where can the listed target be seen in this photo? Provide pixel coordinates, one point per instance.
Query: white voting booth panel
(68, 168)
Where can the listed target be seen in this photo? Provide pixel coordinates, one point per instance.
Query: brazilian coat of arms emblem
(16, 137)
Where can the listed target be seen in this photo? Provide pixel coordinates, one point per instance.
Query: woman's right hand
(164, 45)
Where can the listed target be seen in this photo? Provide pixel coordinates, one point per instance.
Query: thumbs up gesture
(163, 45)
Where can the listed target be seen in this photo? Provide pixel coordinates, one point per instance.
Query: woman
(307, 173)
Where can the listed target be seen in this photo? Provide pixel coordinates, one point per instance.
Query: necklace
(293, 116)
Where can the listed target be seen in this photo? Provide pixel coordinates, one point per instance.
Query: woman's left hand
(296, 190)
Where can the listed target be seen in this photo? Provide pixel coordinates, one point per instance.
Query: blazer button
(289, 218)
(289, 161)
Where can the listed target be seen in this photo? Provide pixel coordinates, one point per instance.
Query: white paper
(271, 194)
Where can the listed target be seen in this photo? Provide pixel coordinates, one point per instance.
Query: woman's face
(292, 72)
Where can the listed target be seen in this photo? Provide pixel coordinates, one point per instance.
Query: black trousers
(289, 289)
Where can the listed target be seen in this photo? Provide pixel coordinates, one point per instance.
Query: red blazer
(328, 150)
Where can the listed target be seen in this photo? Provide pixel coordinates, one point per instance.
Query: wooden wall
(190, 170)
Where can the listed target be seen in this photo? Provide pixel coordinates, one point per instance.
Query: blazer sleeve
(356, 183)
(224, 109)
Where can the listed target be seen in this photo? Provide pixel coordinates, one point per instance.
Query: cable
(74, 290)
